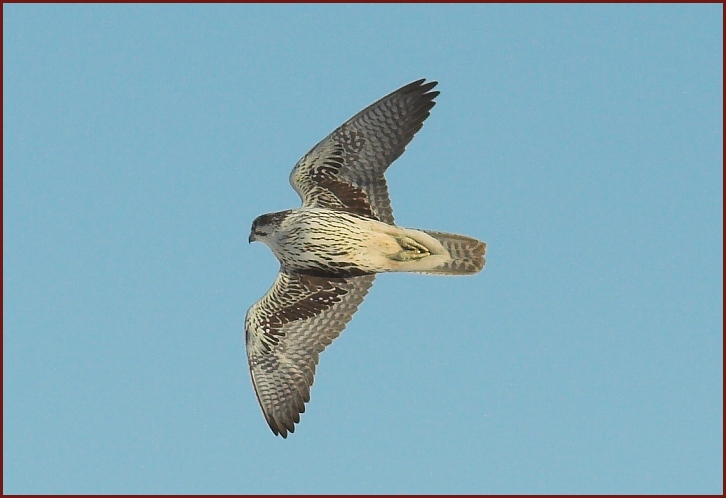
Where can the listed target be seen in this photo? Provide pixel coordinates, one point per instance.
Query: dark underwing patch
(351, 198)
(314, 294)
(354, 199)
(336, 270)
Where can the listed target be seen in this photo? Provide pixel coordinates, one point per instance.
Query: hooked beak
(252, 238)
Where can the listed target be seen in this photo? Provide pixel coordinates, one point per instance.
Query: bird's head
(265, 225)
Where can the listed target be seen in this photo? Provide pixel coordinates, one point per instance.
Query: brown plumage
(331, 248)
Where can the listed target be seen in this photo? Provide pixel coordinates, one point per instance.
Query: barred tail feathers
(467, 254)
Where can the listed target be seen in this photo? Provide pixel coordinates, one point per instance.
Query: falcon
(331, 248)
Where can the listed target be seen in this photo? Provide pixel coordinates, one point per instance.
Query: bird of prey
(331, 248)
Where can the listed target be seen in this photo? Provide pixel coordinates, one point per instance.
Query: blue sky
(584, 144)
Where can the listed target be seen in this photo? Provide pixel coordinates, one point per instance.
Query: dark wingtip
(428, 86)
(420, 87)
(278, 430)
(284, 427)
(420, 83)
(423, 90)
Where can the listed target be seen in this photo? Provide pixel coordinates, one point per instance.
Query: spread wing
(345, 170)
(287, 329)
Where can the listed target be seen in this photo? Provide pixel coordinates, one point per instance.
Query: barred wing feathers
(345, 170)
(285, 332)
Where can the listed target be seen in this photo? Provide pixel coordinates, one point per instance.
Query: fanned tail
(467, 254)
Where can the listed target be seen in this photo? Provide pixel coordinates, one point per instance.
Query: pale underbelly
(370, 247)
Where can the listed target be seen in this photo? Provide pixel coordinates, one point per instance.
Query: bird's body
(331, 242)
(331, 248)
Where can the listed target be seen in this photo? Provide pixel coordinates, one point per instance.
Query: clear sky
(584, 144)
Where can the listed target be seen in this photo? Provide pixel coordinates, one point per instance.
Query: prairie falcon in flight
(331, 248)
